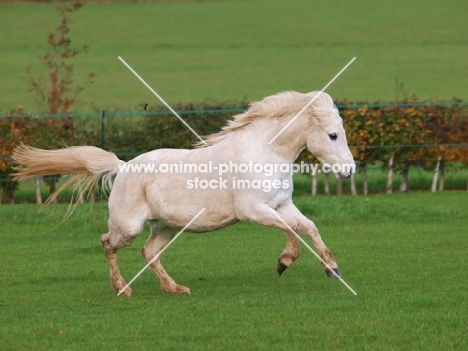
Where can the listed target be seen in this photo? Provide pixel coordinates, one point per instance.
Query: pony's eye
(333, 136)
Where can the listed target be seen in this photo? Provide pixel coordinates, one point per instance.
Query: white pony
(169, 200)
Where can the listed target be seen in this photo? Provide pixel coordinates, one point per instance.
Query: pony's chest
(282, 197)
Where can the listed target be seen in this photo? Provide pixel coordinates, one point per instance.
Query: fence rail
(218, 111)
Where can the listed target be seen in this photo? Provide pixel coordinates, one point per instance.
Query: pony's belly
(200, 225)
(169, 201)
(210, 228)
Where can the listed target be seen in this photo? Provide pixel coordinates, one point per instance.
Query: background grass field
(405, 255)
(228, 50)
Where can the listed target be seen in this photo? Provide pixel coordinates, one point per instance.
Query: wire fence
(104, 113)
(131, 133)
(105, 119)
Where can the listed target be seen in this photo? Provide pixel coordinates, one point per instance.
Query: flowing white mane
(282, 105)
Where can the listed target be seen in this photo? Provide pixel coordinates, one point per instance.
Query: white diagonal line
(162, 100)
(311, 101)
(311, 250)
(160, 252)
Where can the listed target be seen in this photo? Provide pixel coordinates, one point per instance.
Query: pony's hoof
(181, 290)
(177, 289)
(127, 292)
(281, 268)
(335, 275)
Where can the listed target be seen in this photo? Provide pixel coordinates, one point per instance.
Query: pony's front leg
(262, 214)
(290, 253)
(308, 227)
(296, 221)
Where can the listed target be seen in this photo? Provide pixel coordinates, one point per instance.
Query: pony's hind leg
(118, 283)
(118, 238)
(290, 253)
(159, 238)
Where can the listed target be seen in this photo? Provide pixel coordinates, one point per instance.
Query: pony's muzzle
(346, 171)
(341, 175)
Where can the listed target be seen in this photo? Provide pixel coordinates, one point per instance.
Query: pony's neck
(257, 136)
(289, 143)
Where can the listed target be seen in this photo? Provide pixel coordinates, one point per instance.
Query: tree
(56, 92)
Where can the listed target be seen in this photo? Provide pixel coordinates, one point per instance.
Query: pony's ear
(324, 110)
(327, 118)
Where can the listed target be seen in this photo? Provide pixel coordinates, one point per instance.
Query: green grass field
(228, 50)
(404, 254)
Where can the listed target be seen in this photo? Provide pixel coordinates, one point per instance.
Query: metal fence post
(103, 144)
(103, 117)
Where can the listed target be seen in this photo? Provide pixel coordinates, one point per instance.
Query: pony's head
(327, 137)
(320, 128)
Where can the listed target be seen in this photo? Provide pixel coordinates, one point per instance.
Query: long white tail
(85, 164)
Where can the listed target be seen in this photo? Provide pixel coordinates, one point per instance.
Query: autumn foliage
(407, 131)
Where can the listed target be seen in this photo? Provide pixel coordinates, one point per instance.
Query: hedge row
(376, 132)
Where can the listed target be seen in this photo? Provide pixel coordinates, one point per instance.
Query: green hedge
(375, 131)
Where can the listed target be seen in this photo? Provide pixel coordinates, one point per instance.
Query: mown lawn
(404, 254)
(231, 50)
